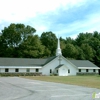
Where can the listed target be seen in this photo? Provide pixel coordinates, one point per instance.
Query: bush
(20, 74)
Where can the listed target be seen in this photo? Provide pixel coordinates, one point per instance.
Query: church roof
(59, 66)
(82, 63)
(41, 62)
(24, 61)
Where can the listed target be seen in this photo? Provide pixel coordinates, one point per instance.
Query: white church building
(56, 65)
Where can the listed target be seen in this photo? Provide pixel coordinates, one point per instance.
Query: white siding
(12, 70)
(22, 70)
(32, 70)
(89, 71)
(2, 70)
(96, 70)
(40, 69)
(63, 71)
(51, 65)
(54, 63)
(71, 67)
(83, 70)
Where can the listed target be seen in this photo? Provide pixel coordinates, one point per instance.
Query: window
(99, 71)
(6, 70)
(27, 70)
(50, 70)
(57, 70)
(93, 70)
(16, 70)
(68, 70)
(87, 70)
(37, 70)
(79, 70)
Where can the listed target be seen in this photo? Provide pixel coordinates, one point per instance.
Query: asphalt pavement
(16, 88)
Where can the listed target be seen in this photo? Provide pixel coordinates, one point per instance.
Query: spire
(58, 50)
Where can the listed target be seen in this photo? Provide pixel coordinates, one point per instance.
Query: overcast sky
(67, 18)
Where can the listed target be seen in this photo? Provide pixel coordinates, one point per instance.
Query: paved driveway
(15, 88)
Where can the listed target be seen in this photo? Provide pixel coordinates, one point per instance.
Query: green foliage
(83, 38)
(86, 80)
(88, 52)
(70, 51)
(20, 74)
(32, 47)
(14, 34)
(18, 40)
(49, 40)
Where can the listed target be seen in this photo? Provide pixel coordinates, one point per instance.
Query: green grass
(88, 81)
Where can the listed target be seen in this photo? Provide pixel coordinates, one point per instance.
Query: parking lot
(16, 88)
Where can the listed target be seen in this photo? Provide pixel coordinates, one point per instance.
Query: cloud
(19, 10)
(71, 22)
(89, 24)
(63, 17)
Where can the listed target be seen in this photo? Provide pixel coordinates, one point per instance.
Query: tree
(70, 51)
(32, 47)
(62, 43)
(80, 55)
(49, 40)
(70, 40)
(83, 38)
(14, 34)
(3, 47)
(88, 52)
(96, 35)
(95, 44)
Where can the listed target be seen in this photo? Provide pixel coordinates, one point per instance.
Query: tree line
(20, 41)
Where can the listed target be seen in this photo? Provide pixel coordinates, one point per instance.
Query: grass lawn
(88, 81)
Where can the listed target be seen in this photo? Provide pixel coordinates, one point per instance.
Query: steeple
(58, 50)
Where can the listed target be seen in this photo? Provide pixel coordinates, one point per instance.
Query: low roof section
(59, 66)
(82, 63)
(24, 61)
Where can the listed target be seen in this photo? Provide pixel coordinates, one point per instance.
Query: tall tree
(95, 44)
(70, 51)
(70, 40)
(83, 38)
(3, 47)
(32, 47)
(88, 52)
(96, 35)
(14, 34)
(62, 43)
(49, 40)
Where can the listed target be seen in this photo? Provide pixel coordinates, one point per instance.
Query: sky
(66, 18)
